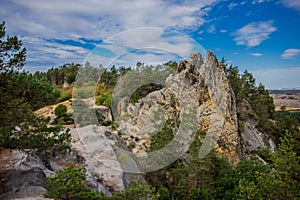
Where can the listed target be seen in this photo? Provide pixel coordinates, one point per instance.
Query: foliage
(287, 121)
(258, 97)
(104, 95)
(65, 94)
(188, 177)
(62, 117)
(12, 55)
(83, 115)
(172, 64)
(294, 115)
(35, 137)
(57, 76)
(60, 110)
(136, 190)
(69, 184)
(162, 138)
(278, 179)
(284, 181)
(21, 93)
(143, 90)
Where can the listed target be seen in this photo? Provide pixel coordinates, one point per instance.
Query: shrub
(60, 111)
(69, 184)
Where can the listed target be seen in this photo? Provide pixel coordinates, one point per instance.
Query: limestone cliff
(198, 85)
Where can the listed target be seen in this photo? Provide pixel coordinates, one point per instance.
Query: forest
(264, 175)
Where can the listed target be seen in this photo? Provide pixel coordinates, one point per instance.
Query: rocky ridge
(198, 85)
(199, 90)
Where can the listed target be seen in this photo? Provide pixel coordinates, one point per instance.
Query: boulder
(24, 184)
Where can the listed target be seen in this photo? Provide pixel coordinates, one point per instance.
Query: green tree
(21, 93)
(239, 182)
(284, 180)
(136, 190)
(57, 75)
(12, 55)
(69, 184)
(233, 75)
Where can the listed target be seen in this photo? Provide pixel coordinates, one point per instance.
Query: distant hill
(284, 91)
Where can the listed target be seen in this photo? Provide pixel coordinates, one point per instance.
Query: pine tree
(21, 93)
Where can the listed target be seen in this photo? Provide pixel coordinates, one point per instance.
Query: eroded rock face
(24, 184)
(98, 146)
(93, 147)
(198, 89)
(251, 138)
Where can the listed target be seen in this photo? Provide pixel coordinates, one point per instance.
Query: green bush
(70, 184)
(60, 111)
(252, 114)
(64, 95)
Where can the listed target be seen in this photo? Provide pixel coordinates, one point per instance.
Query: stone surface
(104, 112)
(251, 138)
(23, 184)
(99, 147)
(201, 91)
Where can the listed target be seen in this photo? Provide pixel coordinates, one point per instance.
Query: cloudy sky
(259, 35)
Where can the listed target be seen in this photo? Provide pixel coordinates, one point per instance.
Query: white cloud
(223, 31)
(290, 53)
(257, 1)
(232, 5)
(260, 1)
(211, 29)
(295, 4)
(243, 2)
(158, 43)
(149, 57)
(278, 78)
(257, 54)
(94, 20)
(253, 34)
(99, 19)
(46, 53)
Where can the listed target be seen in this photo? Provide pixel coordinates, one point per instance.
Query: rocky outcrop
(24, 184)
(99, 147)
(251, 138)
(21, 175)
(93, 147)
(198, 95)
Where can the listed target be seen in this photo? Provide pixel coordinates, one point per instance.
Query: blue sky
(261, 36)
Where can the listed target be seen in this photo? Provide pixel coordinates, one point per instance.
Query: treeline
(57, 76)
(284, 113)
(143, 76)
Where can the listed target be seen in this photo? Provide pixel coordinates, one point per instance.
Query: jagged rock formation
(199, 86)
(251, 138)
(197, 97)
